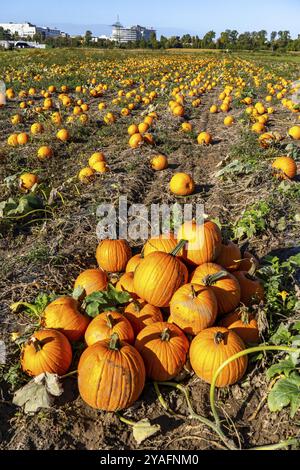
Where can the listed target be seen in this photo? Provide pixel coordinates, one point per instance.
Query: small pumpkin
(134, 262)
(105, 325)
(164, 243)
(141, 314)
(92, 280)
(251, 288)
(126, 284)
(285, 167)
(164, 348)
(158, 276)
(204, 242)
(111, 375)
(46, 351)
(193, 308)
(244, 324)
(159, 163)
(113, 255)
(224, 285)
(211, 348)
(63, 315)
(230, 256)
(182, 184)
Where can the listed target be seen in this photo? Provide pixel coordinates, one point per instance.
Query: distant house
(28, 30)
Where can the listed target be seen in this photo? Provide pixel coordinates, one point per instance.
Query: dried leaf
(144, 429)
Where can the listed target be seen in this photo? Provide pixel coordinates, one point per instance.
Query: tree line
(227, 40)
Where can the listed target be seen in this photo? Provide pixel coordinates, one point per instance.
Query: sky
(169, 17)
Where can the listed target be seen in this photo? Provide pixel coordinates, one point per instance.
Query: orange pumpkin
(251, 288)
(141, 314)
(113, 255)
(105, 325)
(111, 375)
(285, 167)
(92, 280)
(193, 308)
(46, 351)
(211, 348)
(134, 262)
(63, 315)
(204, 242)
(126, 284)
(164, 348)
(230, 256)
(164, 243)
(248, 261)
(224, 285)
(243, 324)
(182, 184)
(159, 163)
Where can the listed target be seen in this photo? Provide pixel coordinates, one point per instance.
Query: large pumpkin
(113, 255)
(223, 284)
(164, 348)
(46, 351)
(111, 375)
(158, 277)
(244, 324)
(193, 308)
(251, 288)
(164, 243)
(63, 315)
(230, 256)
(285, 167)
(92, 280)
(105, 325)
(211, 348)
(204, 242)
(141, 314)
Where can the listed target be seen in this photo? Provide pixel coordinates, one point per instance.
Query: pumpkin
(63, 135)
(193, 308)
(136, 140)
(96, 158)
(113, 255)
(228, 121)
(224, 285)
(86, 175)
(133, 129)
(141, 314)
(204, 242)
(27, 181)
(111, 375)
(164, 243)
(44, 153)
(134, 262)
(158, 276)
(230, 256)
(243, 324)
(91, 280)
(182, 184)
(23, 138)
(204, 138)
(105, 325)
(159, 163)
(126, 284)
(46, 351)
(248, 261)
(164, 348)
(211, 348)
(285, 167)
(251, 288)
(63, 315)
(294, 132)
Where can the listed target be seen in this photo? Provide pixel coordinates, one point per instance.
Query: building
(123, 34)
(28, 30)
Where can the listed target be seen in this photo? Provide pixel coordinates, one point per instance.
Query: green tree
(208, 40)
(88, 38)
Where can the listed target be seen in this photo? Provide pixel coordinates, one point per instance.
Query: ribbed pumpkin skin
(251, 289)
(113, 255)
(110, 380)
(92, 280)
(164, 243)
(204, 242)
(99, 329)
(163, 360)
(63, 315)
(227, 290)
(247, 331)
(133, 263)
(141, 314)
(55, 356)
(126, 284)
(158, 277)
(229, 257)
(193, 308)
(287, 166)
(207, 356)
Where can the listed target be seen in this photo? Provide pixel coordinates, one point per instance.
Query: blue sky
(168, 16)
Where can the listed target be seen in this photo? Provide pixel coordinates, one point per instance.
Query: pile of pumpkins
(189, 299)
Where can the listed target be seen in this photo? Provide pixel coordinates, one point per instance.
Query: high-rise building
(123, 34)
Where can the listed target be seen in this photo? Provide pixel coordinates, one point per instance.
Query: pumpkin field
(185, 341)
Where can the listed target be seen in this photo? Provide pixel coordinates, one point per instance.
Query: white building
(123, 34)
(28, 30)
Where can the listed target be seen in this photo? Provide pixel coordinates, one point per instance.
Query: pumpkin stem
(166, 335)
(211, 279)
(137, 306)
(36, 343)
(253, 268)
(178, 248)
(194, 293)
(110, 321)
(114, 343)
(219, 337)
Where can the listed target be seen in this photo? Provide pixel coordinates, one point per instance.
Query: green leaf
(285, 367)
(102, 301)
(284, 393)
(23, 206)
(282, 336)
